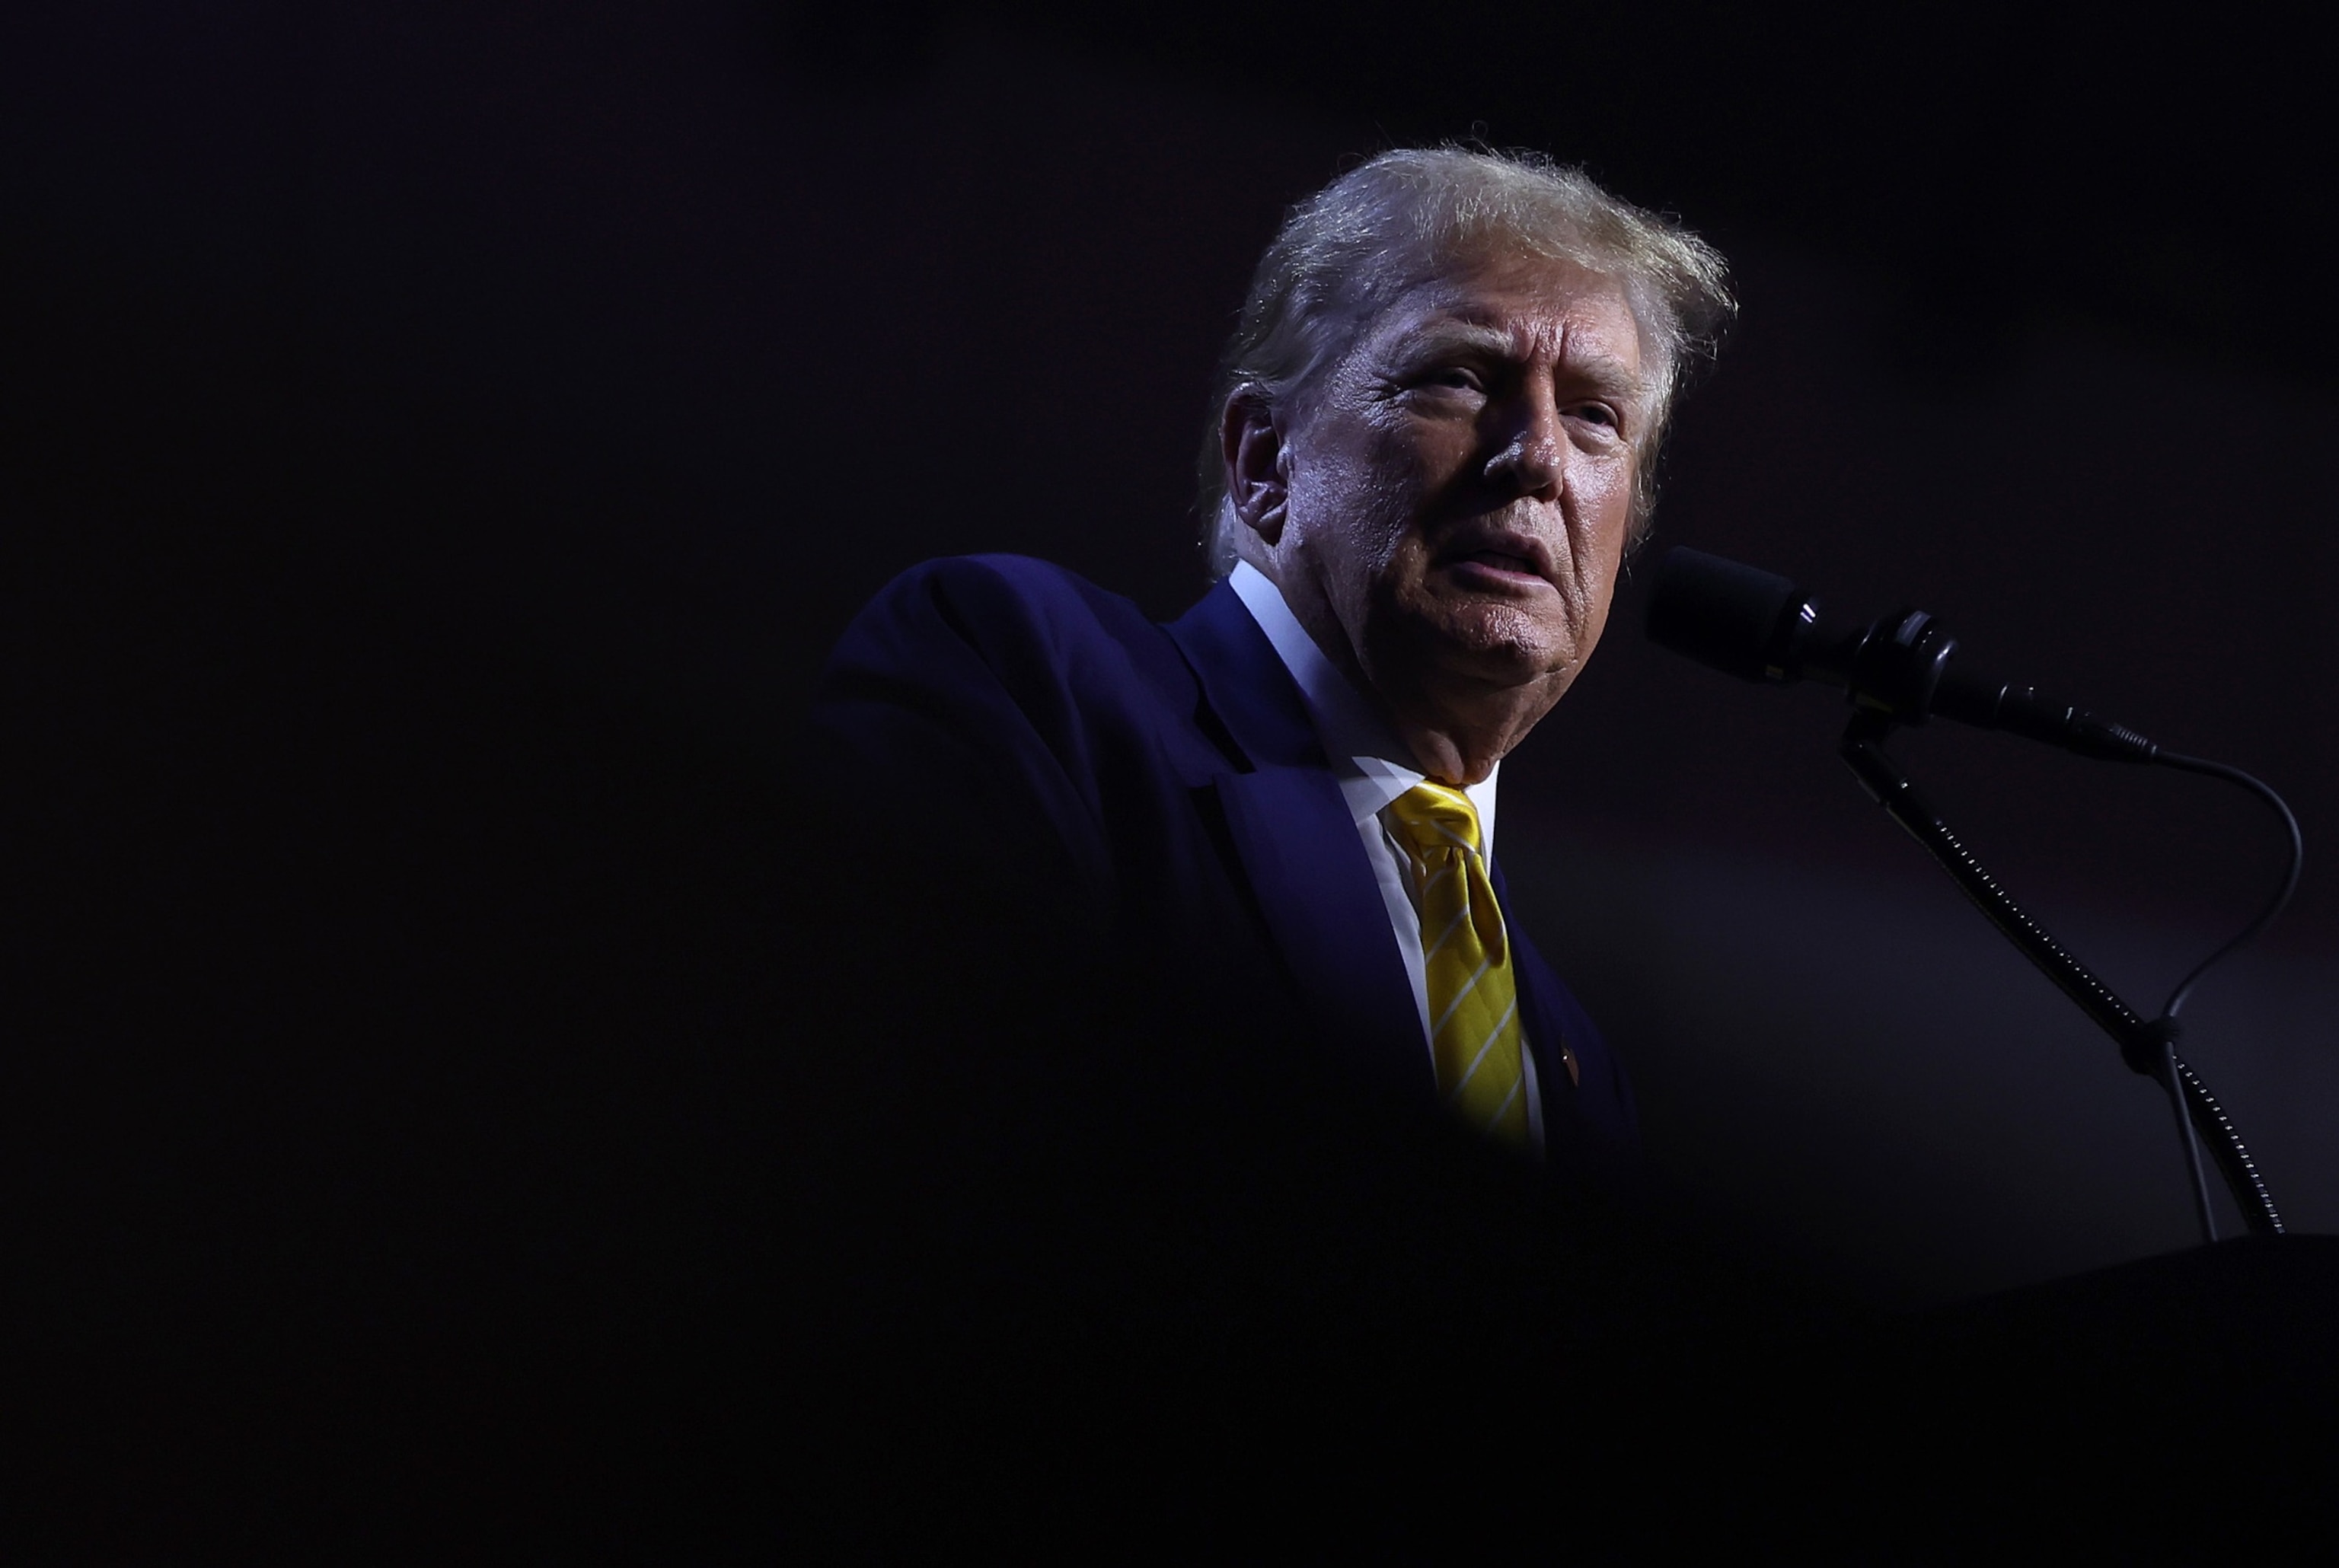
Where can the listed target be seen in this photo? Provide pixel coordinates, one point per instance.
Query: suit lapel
(1297, 844)
(1540, 1014)
(1298, 847)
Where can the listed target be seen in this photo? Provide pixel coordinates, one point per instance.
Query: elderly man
(1191, 1076)
(1275, 817)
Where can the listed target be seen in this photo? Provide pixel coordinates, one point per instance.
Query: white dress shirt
(1366, 759)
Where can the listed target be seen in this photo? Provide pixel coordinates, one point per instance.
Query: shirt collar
(1372, 765)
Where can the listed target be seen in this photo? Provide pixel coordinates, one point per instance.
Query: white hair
(1348, 251)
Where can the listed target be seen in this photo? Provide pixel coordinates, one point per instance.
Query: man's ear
(1255, 464)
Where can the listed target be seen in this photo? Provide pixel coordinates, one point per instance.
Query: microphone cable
(2166, 1029)
(2276, 904)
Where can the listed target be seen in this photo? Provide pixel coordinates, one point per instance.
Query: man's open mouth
(1510, 565)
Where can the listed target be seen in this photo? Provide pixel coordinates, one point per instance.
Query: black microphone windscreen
(1730, 617)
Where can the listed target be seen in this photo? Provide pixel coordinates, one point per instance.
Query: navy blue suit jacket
(1161, 792)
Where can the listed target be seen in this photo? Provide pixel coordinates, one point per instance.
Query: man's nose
(1529, 453)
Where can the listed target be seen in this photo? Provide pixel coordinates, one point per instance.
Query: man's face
(1460, 486)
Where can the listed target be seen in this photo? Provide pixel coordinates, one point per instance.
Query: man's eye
(1595, 414)
(1458, 378)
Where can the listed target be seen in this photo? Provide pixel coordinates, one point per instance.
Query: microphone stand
(2149, 1049)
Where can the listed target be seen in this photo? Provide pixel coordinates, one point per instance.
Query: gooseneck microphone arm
(1902, 670)
(2149, 1049)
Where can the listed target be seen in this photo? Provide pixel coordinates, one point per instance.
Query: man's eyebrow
(1610, 375)
(1449, 332)
(1605, 373)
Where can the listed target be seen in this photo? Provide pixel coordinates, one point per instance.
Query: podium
(2178, 1408)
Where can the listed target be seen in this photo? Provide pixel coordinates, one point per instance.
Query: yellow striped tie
(1473, 1002)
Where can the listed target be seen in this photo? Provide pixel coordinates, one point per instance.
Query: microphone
(1760, 627)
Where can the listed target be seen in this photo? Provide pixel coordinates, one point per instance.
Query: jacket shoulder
(1030, 624)
(1007, 704)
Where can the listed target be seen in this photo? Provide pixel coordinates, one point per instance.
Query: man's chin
(1506, 650)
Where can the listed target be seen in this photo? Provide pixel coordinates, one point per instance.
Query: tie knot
(1435, 817)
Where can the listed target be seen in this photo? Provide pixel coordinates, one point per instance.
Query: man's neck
(1375, 765)
(1454, 730)
(1456, 736)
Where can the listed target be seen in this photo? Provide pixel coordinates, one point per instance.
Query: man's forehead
(1518, 302)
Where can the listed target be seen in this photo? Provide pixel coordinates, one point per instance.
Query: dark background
(443, 439)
